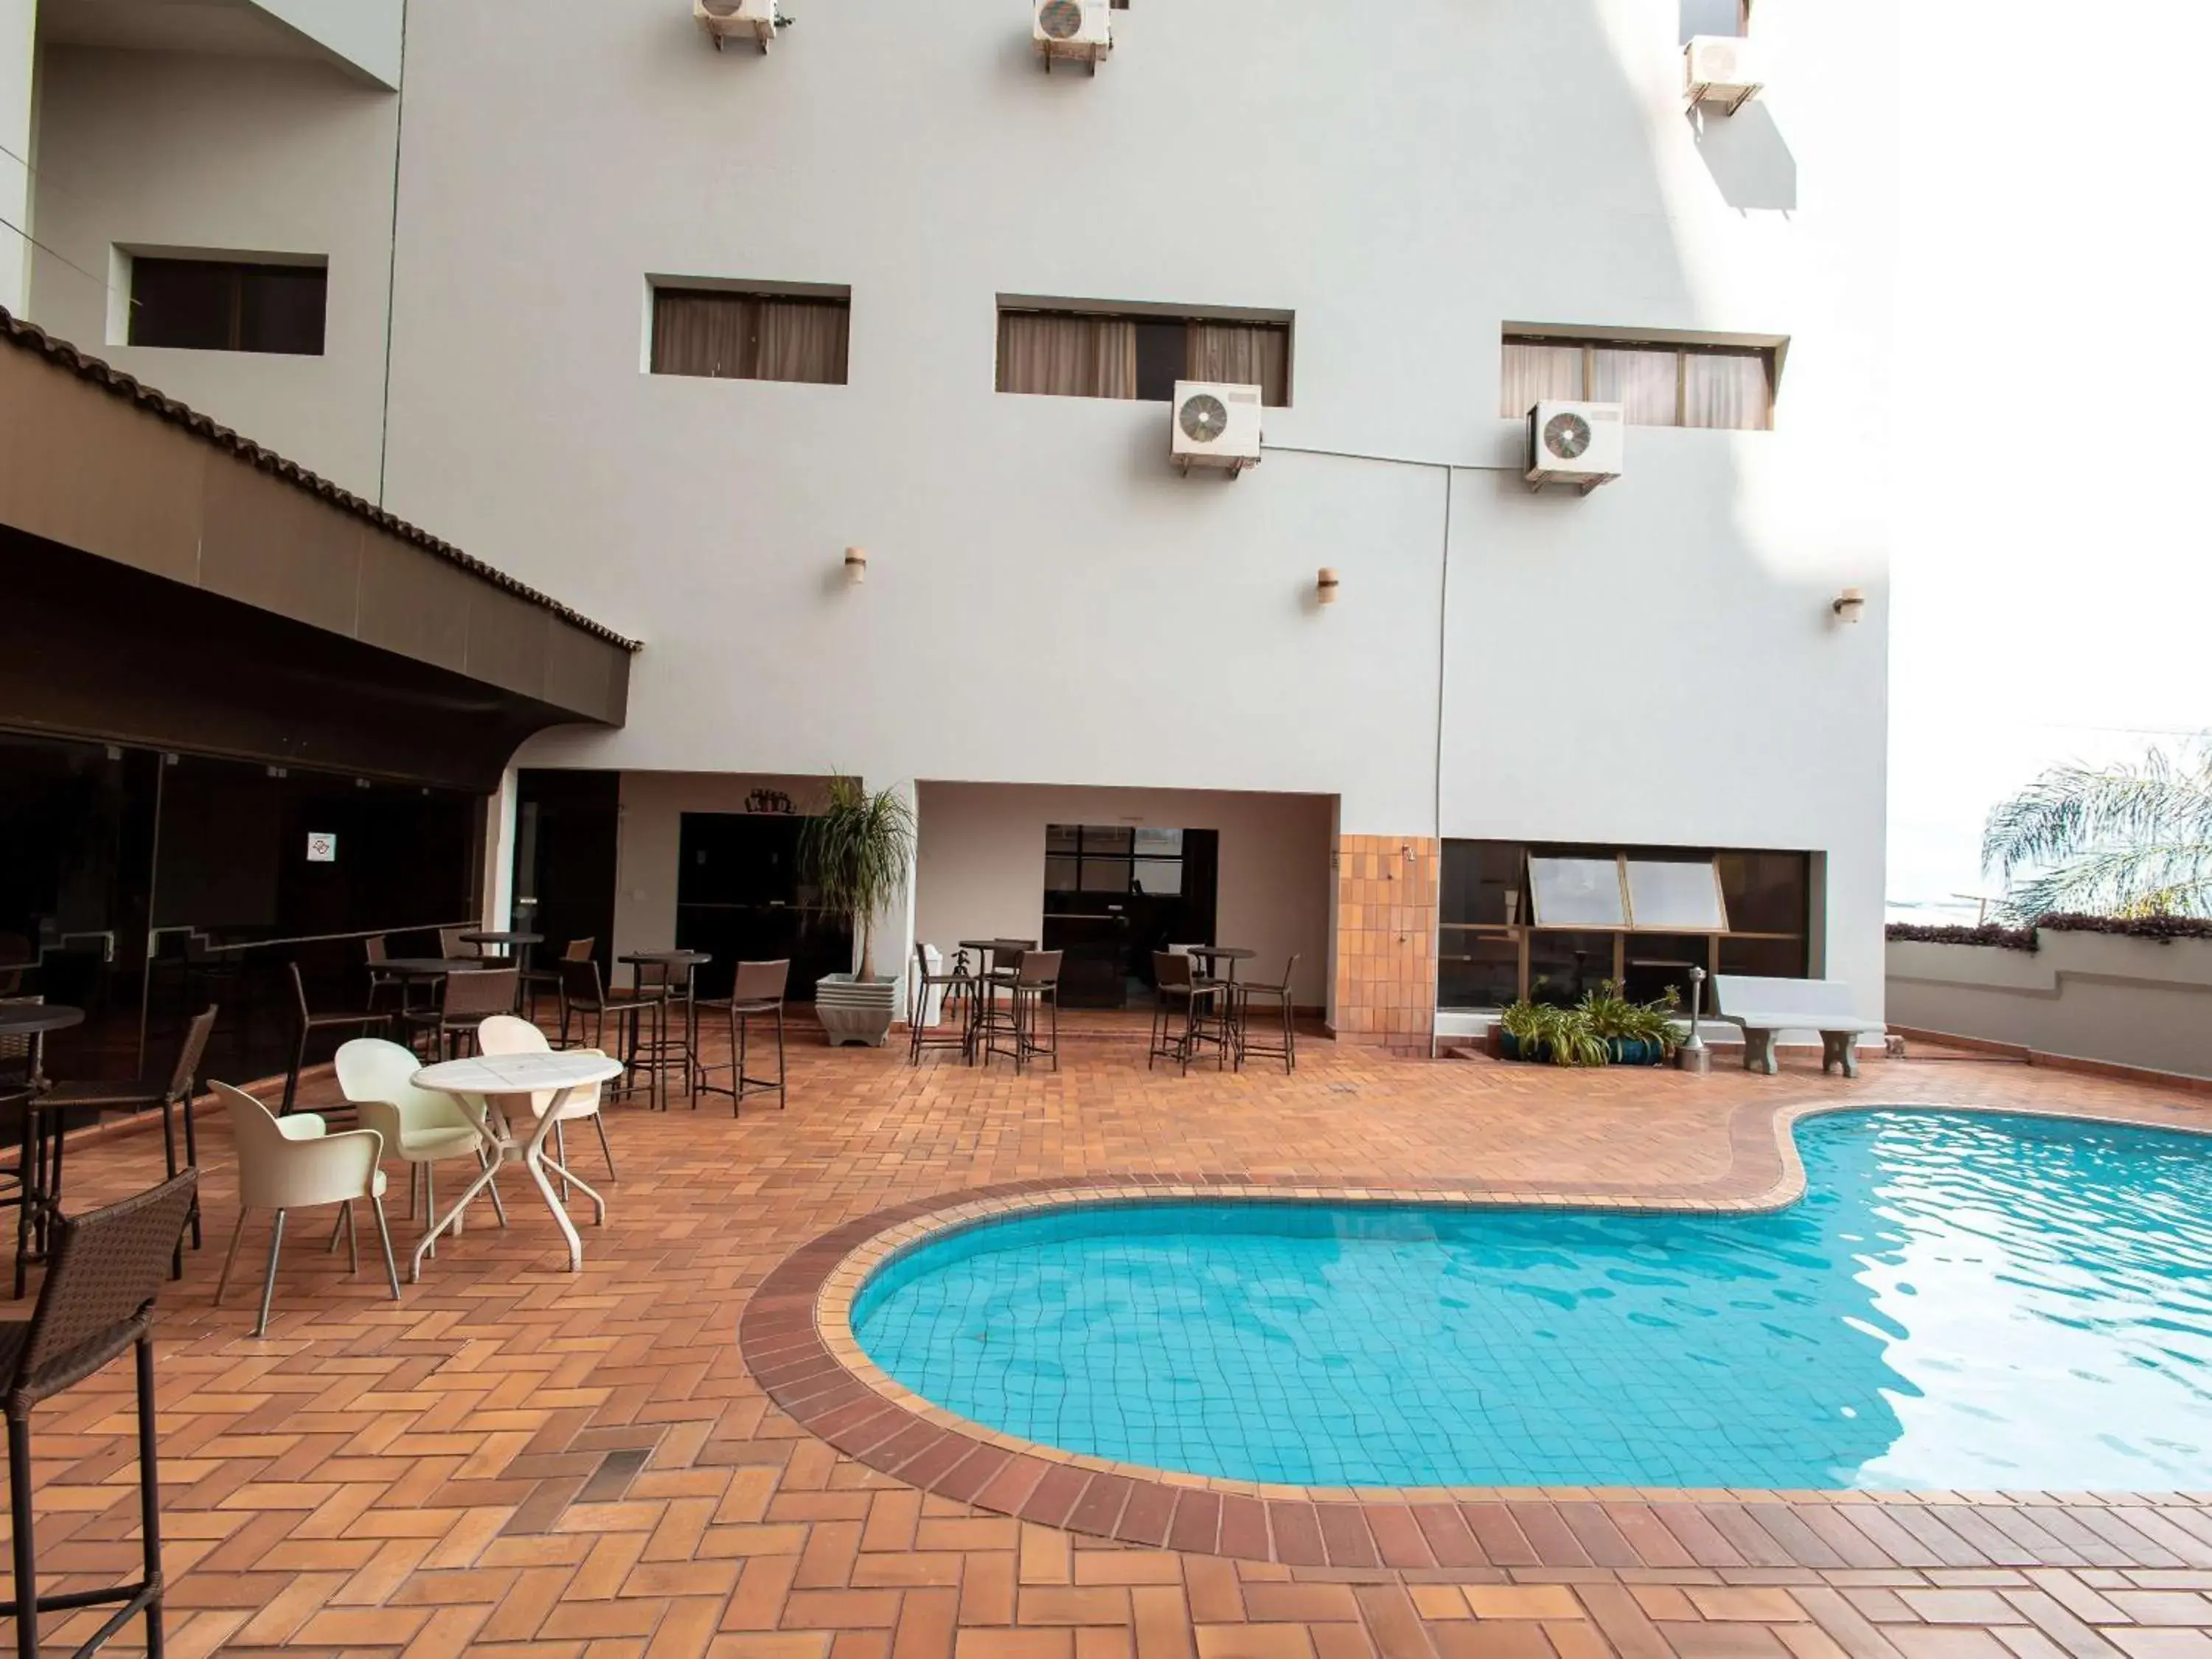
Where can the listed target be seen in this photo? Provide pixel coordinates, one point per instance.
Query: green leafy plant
(1613, 1017)
(856, 855)
(2131, 840)
(1562, 1035)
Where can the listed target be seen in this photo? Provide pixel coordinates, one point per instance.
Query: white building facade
(1105, 684)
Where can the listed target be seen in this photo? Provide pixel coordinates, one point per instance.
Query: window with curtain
(1082, 354)
(1657, 384)
(725, 334)
(228, 305)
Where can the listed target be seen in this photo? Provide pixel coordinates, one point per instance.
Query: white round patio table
(487, 1085)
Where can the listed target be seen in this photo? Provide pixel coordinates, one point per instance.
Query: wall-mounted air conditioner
(1077, 30)
(1579, 444)
(1723, 69)
(738, 20)
(1215, 425)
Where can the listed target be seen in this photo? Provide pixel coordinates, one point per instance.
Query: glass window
(1158, 844)
(1536, 372)
(1571, 892)
(1158, 876)
(1564, 966)
(1645, 382)
(226, 305)
(1767, 892)
(1477, 971)
(1731, 389)
(1102, 354)
(722, 334)
(1060, 874)
(1673, 895)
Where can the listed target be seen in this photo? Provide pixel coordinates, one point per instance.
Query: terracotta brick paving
(520, 1461)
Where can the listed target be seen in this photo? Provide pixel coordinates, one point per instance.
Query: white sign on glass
(322, 847)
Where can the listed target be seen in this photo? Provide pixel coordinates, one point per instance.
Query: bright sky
(2053, 576)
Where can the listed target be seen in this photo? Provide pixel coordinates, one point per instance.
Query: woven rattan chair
(50, 1113)
(586, 999)
(379, 978)
(1278, 999)
(1180, 987)
(470, 997)
(960, 981)
(757, 992)
(97, 1300)
(452, 946)
(1033, 986)
(535, 980)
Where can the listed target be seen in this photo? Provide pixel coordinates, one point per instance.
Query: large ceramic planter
(855, 1010)
(1634, 1051)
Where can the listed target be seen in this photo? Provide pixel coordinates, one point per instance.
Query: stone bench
(1764, 1008)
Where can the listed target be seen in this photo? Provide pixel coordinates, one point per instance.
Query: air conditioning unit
(1215, 425)
(1723, 69)
(738, 20)
(1081, 30)
(1579, 444)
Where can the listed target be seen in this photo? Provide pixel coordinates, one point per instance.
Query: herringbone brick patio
(520, 1460)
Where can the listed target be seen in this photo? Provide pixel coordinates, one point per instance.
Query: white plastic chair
(504, 1034)
(420, 1128)
(293, 1163)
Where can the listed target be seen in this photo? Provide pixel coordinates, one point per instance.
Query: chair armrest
(302, 1126)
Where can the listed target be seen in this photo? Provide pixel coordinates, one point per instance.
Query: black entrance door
(738, 897)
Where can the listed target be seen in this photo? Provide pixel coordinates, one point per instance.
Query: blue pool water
(1960, 1301)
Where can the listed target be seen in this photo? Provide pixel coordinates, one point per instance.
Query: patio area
(518, 1459)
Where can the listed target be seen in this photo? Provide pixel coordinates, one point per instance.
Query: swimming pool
(1960, 1301)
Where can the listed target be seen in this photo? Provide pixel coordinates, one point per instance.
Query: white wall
(169, 150)
(2088, 996)
(981, 864)
(1047, 602)
(18, 60)
(364, 34)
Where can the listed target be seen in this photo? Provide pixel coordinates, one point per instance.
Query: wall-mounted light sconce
(1325, 587)
(1848, 605)
(856, 565)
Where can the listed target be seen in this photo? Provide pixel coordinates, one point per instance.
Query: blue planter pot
(1635, 1051)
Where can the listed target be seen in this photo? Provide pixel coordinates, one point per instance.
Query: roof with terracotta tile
(29, 337)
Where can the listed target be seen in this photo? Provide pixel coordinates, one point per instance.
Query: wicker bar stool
(920, 1035)
(535, 980)
(97, 1300)
(1176, 977)
(757, 992)
(46, 1137)
(1033, 985)
(1278, 997)
(585, 999)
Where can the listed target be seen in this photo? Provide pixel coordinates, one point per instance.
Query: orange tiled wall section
(1386, 939)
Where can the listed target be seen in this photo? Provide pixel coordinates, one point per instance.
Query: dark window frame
(738, 294)
(1151, 322)
(236, 296)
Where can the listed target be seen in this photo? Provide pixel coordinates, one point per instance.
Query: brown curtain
(1643, 381)
(696, 333)
(1535, 374)
(1727, 389)
(802, 340)
(1067, 355)
(1243, 354)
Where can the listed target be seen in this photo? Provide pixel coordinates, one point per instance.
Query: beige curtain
(802, 340)
(1643, 381)
(1727, 389)
(1066, 356)
(1241, 354)
(696, 333)
(1535, 374)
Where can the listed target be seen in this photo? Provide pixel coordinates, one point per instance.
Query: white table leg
(535, 1160)
(493, 1130)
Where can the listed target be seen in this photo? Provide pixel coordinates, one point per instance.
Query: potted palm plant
(855, 854)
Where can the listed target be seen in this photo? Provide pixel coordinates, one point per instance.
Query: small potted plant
(856, 855)
(1634, 1033)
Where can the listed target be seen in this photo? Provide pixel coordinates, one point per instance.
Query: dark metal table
(512, 945)
(980, 1006)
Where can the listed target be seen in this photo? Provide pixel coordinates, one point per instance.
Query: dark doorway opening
(566, 825)
(1117, 893)
(738, 897)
